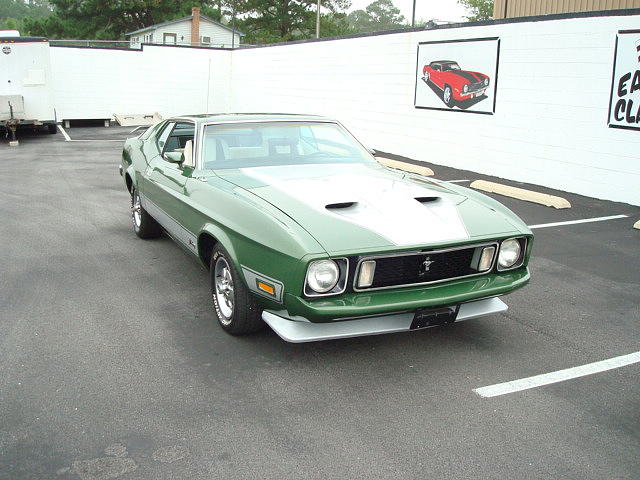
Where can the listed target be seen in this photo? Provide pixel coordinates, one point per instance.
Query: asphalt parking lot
(113, 365)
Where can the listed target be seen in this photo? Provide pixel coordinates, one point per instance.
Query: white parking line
(557, 376)
(456, 181)
(94, 140)
(572, 222)
(64, 133)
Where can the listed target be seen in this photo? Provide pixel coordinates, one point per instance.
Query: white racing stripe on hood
(384, 205)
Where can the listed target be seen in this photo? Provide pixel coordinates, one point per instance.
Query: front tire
(237, 310)
(447, 96)
(143, 224)
(52, 128)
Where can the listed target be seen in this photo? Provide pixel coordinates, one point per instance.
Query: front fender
(221, 237)
(130, 178)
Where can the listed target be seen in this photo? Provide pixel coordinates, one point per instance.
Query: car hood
(468, 75)
(359, 207)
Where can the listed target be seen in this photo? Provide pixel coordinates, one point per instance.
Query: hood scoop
(427, 199)
(340, 206)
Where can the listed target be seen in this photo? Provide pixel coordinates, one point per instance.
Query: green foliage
(479, 9)
(263, 21)
(378, 16)
(283, 20)
(19, 9)
(9, 24)
(13, 12)
(111, 19)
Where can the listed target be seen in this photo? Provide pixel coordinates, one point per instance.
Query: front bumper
(300, 332)
(385, 302)
(468, 95)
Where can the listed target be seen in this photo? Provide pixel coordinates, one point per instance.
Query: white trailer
(26, 87)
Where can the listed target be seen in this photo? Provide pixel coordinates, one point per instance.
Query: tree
(479, 9)
(18, 9)
(377, 16)
(266, 21)
(111, 19)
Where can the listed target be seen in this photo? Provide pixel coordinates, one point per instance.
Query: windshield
(279, 143)
(450, 66)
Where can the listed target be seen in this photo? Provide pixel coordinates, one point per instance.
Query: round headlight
(509, 253)
(486, 82)
(465, 89)
(322, 275)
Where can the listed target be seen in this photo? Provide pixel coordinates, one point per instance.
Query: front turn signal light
(367, 270)
(486, 258)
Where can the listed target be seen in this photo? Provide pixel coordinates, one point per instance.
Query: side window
(161, 139)
(182, 132)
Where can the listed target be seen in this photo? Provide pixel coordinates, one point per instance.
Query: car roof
(444, 61)
(251, 117)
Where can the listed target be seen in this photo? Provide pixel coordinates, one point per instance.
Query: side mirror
(174, 157)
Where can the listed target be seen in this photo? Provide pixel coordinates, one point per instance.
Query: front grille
(423, 267)
(474, 87)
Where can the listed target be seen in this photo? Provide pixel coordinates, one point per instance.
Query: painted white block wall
(550, 126)
(95, 83)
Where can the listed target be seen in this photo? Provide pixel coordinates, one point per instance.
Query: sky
(448, 10)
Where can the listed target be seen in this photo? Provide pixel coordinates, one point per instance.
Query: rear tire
(236, 308)
(52, 128)
(143, 224)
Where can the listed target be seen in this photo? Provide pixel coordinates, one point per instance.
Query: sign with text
(624, 106)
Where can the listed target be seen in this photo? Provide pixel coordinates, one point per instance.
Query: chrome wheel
(223, 290)
(447, 95)
(136, 210)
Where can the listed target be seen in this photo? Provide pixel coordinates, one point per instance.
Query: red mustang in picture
(456, 84)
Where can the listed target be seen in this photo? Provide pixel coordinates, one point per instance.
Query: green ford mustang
(301, 228)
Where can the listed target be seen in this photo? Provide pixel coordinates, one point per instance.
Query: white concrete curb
(521, 194)
(407, 167)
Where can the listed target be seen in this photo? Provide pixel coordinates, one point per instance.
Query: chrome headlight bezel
(519, 260)
(340, 285)
(465, 88)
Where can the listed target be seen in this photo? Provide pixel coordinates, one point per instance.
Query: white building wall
(181, 29)
(96, 83)
(549, 128)
(220, 37)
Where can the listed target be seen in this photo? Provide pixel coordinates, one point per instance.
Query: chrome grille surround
(421, 253)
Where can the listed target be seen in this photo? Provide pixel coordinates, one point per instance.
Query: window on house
(206, 40)
(169, 38)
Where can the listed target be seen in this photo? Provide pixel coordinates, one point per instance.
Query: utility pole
(318, 21)
(413, 15)
(233, 26)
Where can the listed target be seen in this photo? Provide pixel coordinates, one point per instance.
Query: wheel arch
(209, 236)
(130, 178)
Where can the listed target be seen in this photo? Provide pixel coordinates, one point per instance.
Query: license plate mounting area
(434, 317)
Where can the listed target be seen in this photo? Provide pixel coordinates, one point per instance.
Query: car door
(436, 76)
(166, 193)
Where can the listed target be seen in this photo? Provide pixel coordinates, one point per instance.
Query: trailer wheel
(52, 128)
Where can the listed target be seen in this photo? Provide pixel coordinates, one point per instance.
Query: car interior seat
(215, 150)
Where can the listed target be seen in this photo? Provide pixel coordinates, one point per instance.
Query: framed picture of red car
(458, 75)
